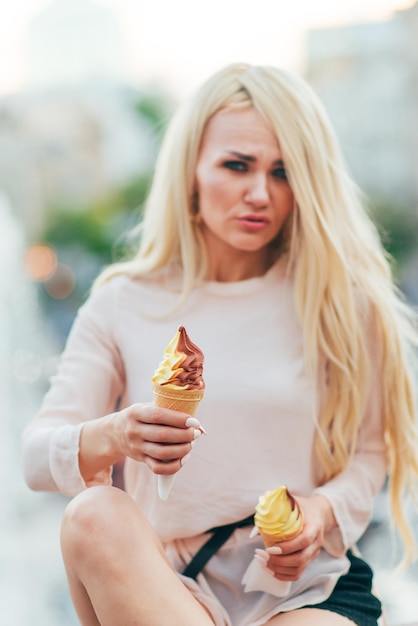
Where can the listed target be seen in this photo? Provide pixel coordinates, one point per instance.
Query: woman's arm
(77, 436)
(88, 384)
(338, 512)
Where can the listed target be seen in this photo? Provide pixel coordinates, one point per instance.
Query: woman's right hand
(161, 438)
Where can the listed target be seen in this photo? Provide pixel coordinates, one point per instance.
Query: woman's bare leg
(117, 570)
(313, 617)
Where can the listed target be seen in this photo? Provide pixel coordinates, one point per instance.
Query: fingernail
(192, 421)
(262, 554)
(196, 433)
(185, 458)
(260, 559)
(274, 550)
(254, 532)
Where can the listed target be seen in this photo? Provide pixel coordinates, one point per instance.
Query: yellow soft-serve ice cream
(278, 516)
(178, 384)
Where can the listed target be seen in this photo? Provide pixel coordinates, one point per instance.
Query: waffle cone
(184, 400)
(270, 540)
(165, 482)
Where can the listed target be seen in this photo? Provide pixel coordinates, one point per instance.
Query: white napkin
(317, 581)
(256, 578)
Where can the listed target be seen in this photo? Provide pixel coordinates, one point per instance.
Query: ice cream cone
(278, 511)
(185, 400)
(178, 384)
(164, 485)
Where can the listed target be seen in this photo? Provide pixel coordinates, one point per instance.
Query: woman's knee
(96, 513)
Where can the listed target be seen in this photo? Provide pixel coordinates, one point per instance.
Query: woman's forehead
(238, 126)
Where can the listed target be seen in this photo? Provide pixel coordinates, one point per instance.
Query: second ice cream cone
(278, 512)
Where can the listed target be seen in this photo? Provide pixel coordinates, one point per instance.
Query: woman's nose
(257, 191)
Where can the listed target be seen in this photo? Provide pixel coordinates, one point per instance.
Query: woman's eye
(236, 166)
(280, 172)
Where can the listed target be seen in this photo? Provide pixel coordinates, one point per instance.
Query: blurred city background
(86, 89)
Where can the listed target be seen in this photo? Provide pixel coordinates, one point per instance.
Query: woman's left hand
(289, 559)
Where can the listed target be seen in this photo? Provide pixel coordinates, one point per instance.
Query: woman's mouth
(253, 222)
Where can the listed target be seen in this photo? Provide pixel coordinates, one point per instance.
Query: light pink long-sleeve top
(258, 409)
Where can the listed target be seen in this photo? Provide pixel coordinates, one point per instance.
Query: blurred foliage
(99, 227)
(90, 235)
(398, 228)
(88, 238)
(156, 108)
(75, 226)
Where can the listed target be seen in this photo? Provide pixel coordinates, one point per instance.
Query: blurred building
(73, 134)
(367, 76)
(69, 146)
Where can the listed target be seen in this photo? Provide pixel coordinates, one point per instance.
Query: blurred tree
(99, 227)
(88, 237)
(156, 107)
(398, 228)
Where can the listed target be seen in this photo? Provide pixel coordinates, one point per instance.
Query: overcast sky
(182, 41)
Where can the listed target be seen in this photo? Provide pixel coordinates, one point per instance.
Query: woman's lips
(253, 222)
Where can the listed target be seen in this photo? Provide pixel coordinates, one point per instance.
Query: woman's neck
(239, 266)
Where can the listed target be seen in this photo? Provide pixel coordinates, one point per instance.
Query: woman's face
(243, 194)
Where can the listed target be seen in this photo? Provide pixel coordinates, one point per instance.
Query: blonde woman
(254, 238)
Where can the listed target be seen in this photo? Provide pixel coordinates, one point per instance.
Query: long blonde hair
(343, 284)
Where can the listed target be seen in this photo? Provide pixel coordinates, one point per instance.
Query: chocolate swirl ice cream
(182, 364)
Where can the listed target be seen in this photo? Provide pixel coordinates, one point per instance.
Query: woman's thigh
(311, 617)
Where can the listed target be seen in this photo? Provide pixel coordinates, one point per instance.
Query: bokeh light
(40, 262)
(42, 266)
(62, 282)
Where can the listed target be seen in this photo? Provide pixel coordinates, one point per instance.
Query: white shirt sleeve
(89, 381)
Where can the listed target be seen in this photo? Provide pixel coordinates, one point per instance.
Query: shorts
(352, 596)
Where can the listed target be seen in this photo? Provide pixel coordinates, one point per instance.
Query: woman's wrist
(97, 449)
(326, 512)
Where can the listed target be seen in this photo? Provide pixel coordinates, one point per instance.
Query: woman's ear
(195, 213)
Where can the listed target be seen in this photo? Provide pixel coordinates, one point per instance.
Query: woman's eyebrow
(240, 155)
(252, 159)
